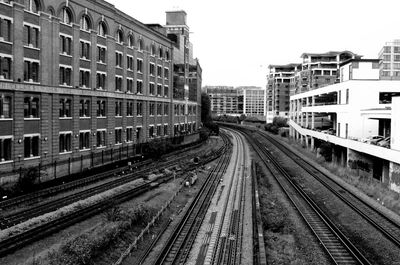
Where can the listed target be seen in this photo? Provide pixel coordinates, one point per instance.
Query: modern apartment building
(187, 73)
(389, 66)
(225, 100)
(254, 102)
(81, 82)
(347, 114)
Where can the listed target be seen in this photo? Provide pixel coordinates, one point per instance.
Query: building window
(101, 54)
(101, 138)
(5, 68)
(159, 88)
(165, 129)
(5, 29)
(151, 89)
(139, 107)
(65, 108)
(347, 96)
(129, 63)
(101, 108)
(84, 78)
(152, 69)
(139, 65)
(166, 109)
(151, 131)
(118, 108)
(159, 109)
(165, 91)
(101, 81)
(159, 71)
(118, 83)
(65, 142)
(85, 50)
(65, 76)
(31, 107)
(129, 134)
(31, 146)
(139, 86)
(31, 36)
(65, 45)
(129, 85)
(131, 41)
(151, 109)
(138, 134)
(32, 6)
(66, 16)
(167, 55)
(166, 73)
(153, 50)
(129, 108)
(5, 149)
(31, 71)
(84, 140)
(140, 45)
(5, 107)
(118, 136)
(158, 130)
(102, 29)
(118, 59)
(119, 37)
(84, 108)
(85, 23)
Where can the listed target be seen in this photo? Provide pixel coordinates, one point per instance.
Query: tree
(279, 122)
(205, 108)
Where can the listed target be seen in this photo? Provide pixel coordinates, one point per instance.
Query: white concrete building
(254, 104)
(346, 113)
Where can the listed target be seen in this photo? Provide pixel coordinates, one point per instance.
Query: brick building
(81, 82)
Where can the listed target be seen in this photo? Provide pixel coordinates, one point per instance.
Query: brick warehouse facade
(81, 83)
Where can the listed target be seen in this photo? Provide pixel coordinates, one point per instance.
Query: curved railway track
(335, 242)
(179, 243)
(18, 241)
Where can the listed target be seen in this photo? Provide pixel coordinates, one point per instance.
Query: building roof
(283, 65)
(330, 53)
(360, 60)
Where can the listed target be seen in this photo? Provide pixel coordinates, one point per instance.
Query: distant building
(254, 102)
(225, 100)
(389, 66)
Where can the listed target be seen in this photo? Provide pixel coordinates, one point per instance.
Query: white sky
(235, 41)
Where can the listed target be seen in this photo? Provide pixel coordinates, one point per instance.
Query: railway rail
(18, 241)
(177, 248)
(335, 242)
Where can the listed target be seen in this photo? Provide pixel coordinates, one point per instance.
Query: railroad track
(179, 244)
(335, 242)
(18, 241)
(389, 228)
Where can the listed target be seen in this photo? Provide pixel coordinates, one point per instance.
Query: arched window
(167, 55)
(153, 50)
(102, 29)
(130, 41)
(32, 5)
(119, 36)
(140, 45)
(160, 52)
(66, 15)
(85, 23)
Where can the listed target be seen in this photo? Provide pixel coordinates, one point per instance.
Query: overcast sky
(235, 41)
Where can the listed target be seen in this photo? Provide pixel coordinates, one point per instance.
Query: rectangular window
(139, 65)
(118, 59)
(151, 89)
(5, 29)
(84, 140)
(165, 91)
(84, 108)
(101, 54)
(166, 73)
(152, 69)
(101, 79)
(5, 106)
(31, 71)
(159, 71)
(151, 109)
(159, 109)
(151, 131)
(340, 97)
(5, 68)
(129, 62)
(347, 96)
(65, 142)
(118, 108)
(101, 138)
(65, 76)
(65, 108)
(129, 108)
(101, 108)
(139, 107)
(31, 107)
(31, 146)
(84, 78)
(118, 136)
(158, 132)
(347, 131)
(165, 129)
(129, 134)
(129, 85)
(139, 87)
(138, 134)
(118, 83)
(65, 45)
(159, 89)
(166, 109)
(5, 149)
(85, 50)
(31, 36)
